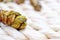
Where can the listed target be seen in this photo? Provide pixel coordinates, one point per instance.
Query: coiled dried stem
(13, 19)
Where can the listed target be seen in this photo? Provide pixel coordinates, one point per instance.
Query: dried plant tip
(35, 4)
(37, 7)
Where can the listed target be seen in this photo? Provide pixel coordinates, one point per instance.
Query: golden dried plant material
(13, 19)
(4, 20)
(8, 16)
(13, 12)
(1, 14)
(1, 0)
(22, 26)
(19, 1)
(19, 20)
(37, 7)
(15, 24)
(5, 17)
(35, 4)
(9, 21)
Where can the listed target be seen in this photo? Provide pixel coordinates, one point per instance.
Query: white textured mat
(43, 25)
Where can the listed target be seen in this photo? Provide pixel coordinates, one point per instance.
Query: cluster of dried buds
(36, 4)
(13, 19)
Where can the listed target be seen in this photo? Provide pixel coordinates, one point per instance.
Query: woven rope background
(44, 25)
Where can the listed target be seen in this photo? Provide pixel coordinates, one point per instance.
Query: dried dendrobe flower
(13, 19)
